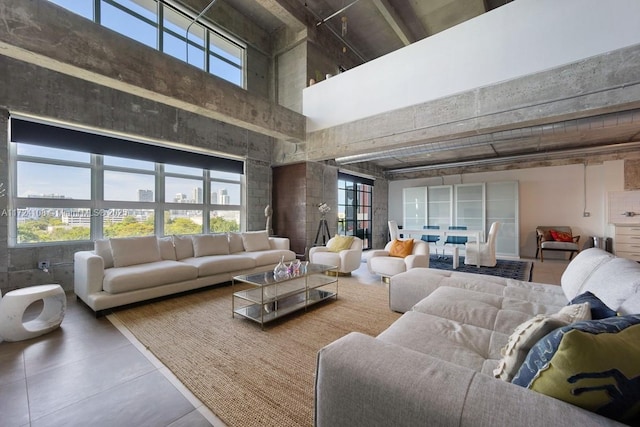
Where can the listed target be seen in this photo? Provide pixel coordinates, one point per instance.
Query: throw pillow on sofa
(235, 243)
(128, 251)
(599, 310)
(184, 246)
(527, 334)
(167, 249)
(591, 364)
(210, 244)
(102, 248)
(254, 241)
(401, 248)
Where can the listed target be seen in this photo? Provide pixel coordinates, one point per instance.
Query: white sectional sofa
(122, 271)
(475, 350)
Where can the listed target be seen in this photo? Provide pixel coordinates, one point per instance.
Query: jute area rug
(246, 376)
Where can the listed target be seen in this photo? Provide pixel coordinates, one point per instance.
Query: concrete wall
(517, 39)
(33, 90)
(547, 196)
(292, 72)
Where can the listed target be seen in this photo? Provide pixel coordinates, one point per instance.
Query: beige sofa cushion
(210, 244)
(255, 241)
(134, 250)
(465, 345)
(485, 310)
(235, 243)
(102, 248)
(217, 264)
(614, 282)
(580, 270)
(167, 250)
(270, 257)
(149, 275)
(184, 247)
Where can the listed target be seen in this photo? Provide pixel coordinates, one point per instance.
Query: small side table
(13, 305)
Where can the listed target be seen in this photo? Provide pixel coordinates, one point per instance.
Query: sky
(75, 182)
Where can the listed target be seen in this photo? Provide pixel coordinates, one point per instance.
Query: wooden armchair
(556, 238)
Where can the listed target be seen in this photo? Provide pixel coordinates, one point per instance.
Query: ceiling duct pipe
(336, 13)
(558, 128)
(186, 35)
(549, 155)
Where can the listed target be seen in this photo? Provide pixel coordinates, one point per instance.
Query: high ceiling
(373, 27)
(377, 27)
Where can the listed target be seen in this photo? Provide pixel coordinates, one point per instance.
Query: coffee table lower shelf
(263, 313)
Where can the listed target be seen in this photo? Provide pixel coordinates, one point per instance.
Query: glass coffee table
(270, 298)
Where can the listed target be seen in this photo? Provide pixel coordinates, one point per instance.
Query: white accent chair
(381, 263)
(346, 260)
(14, 304)
(487, 250)
(394, 231)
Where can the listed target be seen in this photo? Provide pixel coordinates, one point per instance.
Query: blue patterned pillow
(592, 364)
(599, 310)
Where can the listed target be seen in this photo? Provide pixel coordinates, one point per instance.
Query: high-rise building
(145, 195)
(180, 198)
(223, 197)
(197, 195)
(214, 197)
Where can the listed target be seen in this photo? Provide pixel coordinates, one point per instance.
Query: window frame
(358, 215)
(99, 207)
(211, 33)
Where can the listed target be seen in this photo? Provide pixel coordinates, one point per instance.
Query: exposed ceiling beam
(280, 12)
(558, 154)
(394, 21)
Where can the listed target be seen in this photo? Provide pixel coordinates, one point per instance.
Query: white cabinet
(475, 205)
(439, 205)
(627, 241)
(415, 207)
(502, 206)
(470, 208)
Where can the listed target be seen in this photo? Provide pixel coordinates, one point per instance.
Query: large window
(200, 44)
(355, 197)
(61, 194)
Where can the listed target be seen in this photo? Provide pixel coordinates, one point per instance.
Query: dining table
(475, 235)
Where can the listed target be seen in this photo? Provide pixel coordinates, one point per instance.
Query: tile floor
(88, 372)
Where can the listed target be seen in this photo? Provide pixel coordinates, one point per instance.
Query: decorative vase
(281, 270)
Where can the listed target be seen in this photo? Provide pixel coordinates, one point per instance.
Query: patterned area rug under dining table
(511, 269)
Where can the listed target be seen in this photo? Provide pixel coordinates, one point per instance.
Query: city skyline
(35, 179)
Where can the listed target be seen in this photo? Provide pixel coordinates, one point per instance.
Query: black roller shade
(356, 179)
(70, 139)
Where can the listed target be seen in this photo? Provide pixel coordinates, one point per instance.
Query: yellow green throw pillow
(340, 243)
(592, 364)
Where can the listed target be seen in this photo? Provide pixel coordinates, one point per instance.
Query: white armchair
(346, 260)
(381, 263)
(487, 252)
(393, 229)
